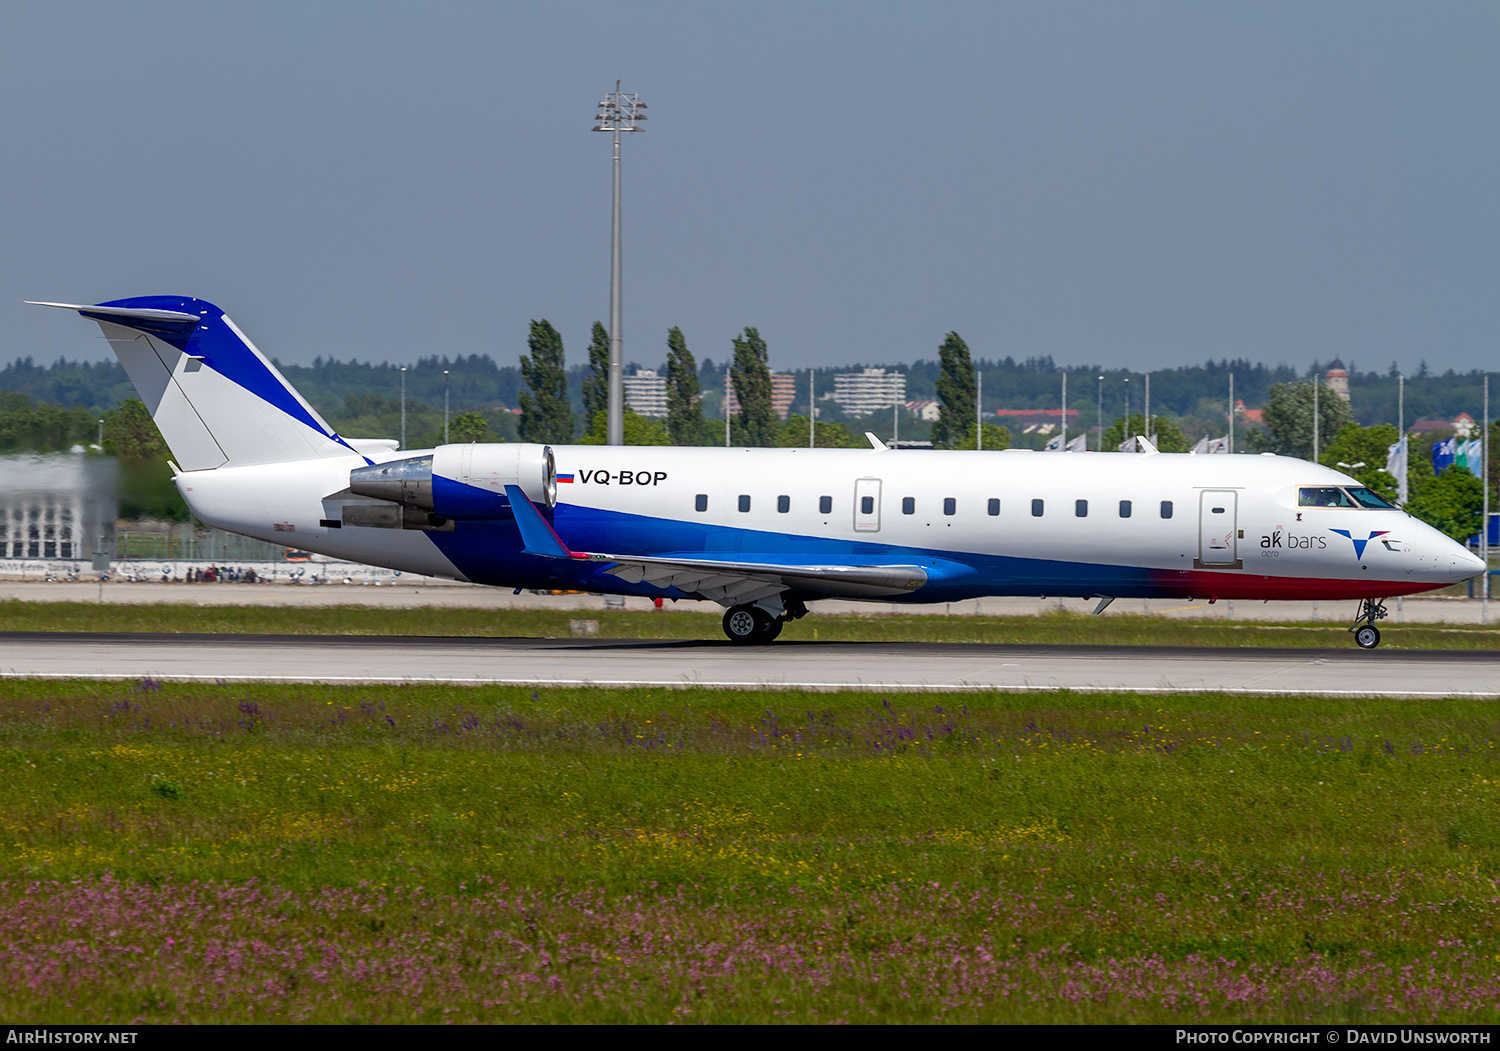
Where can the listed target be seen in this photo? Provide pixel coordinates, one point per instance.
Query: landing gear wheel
(1367, 635)
(750, 626)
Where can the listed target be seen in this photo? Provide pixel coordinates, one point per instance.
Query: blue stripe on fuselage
(490, 553)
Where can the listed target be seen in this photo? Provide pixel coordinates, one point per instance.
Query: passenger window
(1166, 509)
(950, 505)
(744, 503)
(867, 505)
(994, 507)
(701, 503)
(908, 505)
(825, 505)
(1124, 508)
(1036, 508)
(1081, 508)
(783, 504)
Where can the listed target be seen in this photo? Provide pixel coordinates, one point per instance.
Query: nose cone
(1466, 564)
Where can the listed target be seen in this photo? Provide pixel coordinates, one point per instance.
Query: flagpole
(1065, 414)
(1315, 412)
(1401, 490)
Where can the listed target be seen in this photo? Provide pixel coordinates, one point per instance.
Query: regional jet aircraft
(762, 532)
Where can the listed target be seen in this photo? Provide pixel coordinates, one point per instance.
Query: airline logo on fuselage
(1292, 541)
(1359, 545)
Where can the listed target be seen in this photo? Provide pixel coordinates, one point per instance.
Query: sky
(1136, 185)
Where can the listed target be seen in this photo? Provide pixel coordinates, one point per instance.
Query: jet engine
(453, 482)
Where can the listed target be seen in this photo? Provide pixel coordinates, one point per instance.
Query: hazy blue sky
(1133, 184)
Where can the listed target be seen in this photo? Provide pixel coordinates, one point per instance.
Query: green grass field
(245, 853)
(442, 621)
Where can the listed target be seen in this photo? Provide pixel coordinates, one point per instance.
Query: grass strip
(243, 853)
(442, 621)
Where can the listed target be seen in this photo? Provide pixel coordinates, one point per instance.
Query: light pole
(445, 406)
(403, 406)
(1101, 413)
(618, 111)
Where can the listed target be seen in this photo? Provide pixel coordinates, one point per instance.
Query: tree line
(1196, 396)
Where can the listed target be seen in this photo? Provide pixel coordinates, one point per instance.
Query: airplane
(761, 532)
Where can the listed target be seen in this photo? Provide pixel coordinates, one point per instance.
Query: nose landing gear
(1366, 634)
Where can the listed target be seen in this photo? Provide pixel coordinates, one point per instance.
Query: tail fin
(216, 399)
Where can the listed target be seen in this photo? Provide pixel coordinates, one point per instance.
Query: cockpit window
(1369, 497)
(1323, 496)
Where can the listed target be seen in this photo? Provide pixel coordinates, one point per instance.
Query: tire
(1367, 637)
(750, 626)
(745, 625)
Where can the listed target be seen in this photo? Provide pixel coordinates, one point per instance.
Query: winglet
(875, 443)
(537, 533)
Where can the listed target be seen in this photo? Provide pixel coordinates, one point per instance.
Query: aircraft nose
(1468, 564)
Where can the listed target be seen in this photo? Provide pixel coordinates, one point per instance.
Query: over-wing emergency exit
(762, 532)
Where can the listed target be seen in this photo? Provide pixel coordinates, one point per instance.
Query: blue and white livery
(762, 532)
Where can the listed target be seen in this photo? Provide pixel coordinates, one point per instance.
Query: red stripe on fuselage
(1201, 583)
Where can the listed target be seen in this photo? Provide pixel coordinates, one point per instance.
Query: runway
(802, 665)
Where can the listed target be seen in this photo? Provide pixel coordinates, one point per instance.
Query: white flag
(1201, 446)
(1395, 466)
(1127, 446)
(1054, 445)
(1079, 444)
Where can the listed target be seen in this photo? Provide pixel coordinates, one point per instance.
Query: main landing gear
(1366, 634)
(755, 625)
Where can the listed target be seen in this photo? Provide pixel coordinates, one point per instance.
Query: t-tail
(218, 401)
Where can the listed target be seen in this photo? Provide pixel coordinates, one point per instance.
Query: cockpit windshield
(1333, 496)
(1369, 498)
(1323, 496)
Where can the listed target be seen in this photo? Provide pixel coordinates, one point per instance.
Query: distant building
(58, 506)
(783, 392)
(1462, 425)
(1337, 379)
(925, 409)
(646, 392)
(1035, 421)
(861, 393)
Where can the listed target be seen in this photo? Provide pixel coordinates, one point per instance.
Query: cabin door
(1218, 528)
(867, 505)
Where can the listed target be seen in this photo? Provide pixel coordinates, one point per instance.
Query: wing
(728, 583)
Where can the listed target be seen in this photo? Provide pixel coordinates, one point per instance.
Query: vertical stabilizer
(217, 400)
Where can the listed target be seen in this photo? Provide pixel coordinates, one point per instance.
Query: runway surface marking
(947, 667)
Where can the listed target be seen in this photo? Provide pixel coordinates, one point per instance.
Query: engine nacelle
(462, 481)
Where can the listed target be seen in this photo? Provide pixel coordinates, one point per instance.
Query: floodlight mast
(618, 111)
